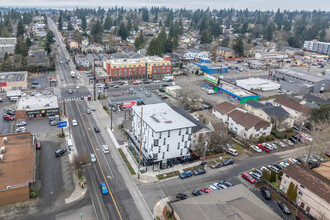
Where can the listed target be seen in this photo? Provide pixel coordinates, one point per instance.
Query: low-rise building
(280, 119)
(225, 52)
(158, 67)
(13, 80)
(257, 84)
(166, 134)
(313, 188)
(17, 167)
(236, 202)
(240, 122)
(7, 45)
(295, 109)
(125, 68)
(38, 106)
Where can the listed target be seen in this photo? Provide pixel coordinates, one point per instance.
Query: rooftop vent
(8, 187)
(3, 149)
(5, 140)
(1, 157)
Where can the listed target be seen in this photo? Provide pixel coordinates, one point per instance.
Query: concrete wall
(14, 195)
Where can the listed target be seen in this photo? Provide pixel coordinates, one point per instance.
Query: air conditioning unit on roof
(5, 140)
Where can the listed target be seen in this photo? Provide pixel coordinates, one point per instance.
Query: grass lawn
(239, 148)
(126, 162)
(168, 175)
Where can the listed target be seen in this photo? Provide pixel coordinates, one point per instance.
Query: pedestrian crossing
(73, 99)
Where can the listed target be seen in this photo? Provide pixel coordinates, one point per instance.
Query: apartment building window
(159, 149)
(160, 135)
(185, 144)
(168, 147)
(156, 142)
(189, 137)
(182, 138)
(163, 155)
(302, 205)
(178, 145)
(179, 132)
(164, 142)
(181, 152)
(187, 130)
(300, 193)
(168, 135)
(152, 134)
(308, 209)
(155, 156)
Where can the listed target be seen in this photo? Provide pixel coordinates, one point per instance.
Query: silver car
(88, 111)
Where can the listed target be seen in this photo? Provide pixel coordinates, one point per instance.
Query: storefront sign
(128, 104)
(211, 79)
(4, 84)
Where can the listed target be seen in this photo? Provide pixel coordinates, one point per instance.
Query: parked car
(186, 174)
(280, 144)
(226, 183)
(199, 171)
(284, 208)
(265, 193)
(197, 192)
(38, 145)
(222, 186)
(214, 188)
(21, 123)
(205, 190)
(136, 82)
(70, 91)
(10, 111)
(279, 166)
(273, 168)
(60, 152)
(157, 81)
(164, 97)
(263, 147)
(181, 196)
(104, 188)
(288, 142)
(293, 140)
(248, 177)
(8, 117)
(256, 148)
(216, 165)
(20, 129)
(255, 175)
(228, 162)
(96, 129)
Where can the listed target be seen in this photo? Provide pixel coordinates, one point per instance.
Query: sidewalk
(159, 207)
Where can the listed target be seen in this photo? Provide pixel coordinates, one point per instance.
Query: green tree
(123, 31)
(261, 139)
(28, 42)
(270, 137)
(266, 175)
(83, 23)
(21, 48)
(129, 25)
(49, 40)
(280, 174)
(294, 41)
(272, 176)
(77, 36)
(321, 114)
(239, 46)
(4, 32)
(139, 41)
(107, 23)
(290, 190)
(6, 56)
(96, 31)
(70, 27)
(60, 23)
(269, 31)
(145, 15)
(20, 29)
(154, 48)
(225, 42)
(295, 193)
(206, 37)
(323, 34)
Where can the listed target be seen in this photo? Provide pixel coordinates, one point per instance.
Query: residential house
(82, 62)
(242, 123)
(166, 134)
(280, 119)
(191, 54)
(313, 188)
(225, 52)
(294, 108)
(85, 41)
(7, 45)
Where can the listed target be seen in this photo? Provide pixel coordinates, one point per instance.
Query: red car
(263, 147)
(8, 117)
(38, 145)
(164, 97)
(205, 190)
(248, 177)
(136, 83)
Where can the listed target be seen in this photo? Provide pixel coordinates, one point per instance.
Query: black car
(96, 129)
(265, 193)
(284, 208)
(60, 152)
(10, 112)
(279, 166)
(197, 192)
(293, 139)
(228, 162)
(226, 183)
(199, 171)
(147, 81)
(181, 196)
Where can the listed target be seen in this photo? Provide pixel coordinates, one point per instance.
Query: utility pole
(140, 143)
(94, 80)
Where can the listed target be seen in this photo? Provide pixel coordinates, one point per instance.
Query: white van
(14, 99)
(232, 151)
(69, 143)
(210, 92)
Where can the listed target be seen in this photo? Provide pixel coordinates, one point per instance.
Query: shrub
(161, 90)
(280, 174)
(270, 137)
(261, 139)
(266, 175)
(277, 134)
(272, 176)
(33, 194)
(105, 108)
(288, 135)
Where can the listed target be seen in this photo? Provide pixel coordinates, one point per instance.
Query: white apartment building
(166, 134)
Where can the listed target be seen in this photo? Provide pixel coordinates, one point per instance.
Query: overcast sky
(189, 4)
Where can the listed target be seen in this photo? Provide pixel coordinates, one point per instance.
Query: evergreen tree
(21, 48)
(70, 27)
(4, 32)
(28, 42)
(323, 34)
(154, 48)
(129, 25)
(266, 175)
(139, 41)
(107, 23)
(169, 19)
(49, 40)
(156, 17)
(294, 41)
(60, 24)
(180, 26)
(6, 56)
(96, 31)
(290, 190)
(268, 33)
(20, 29)
(160, 23)
(206, 37)
(239, 47)
(272, 176)
(145, 15)
(294, 193)
(83, 23)
(287, 26)
(123, 31)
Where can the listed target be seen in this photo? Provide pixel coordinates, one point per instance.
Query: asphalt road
(154, 192)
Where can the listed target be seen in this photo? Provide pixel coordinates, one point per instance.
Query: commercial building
(38, 106)
(315, 82)
(240, 122)
(17, 162)
(232, 92)
(158, 67)
(294, 108)
(7, 45)
(13, 80)
(313, 188)
(280, 119)
(257, 84)
(236, 202)
(318, 47)
(166, 134)
(212, 68)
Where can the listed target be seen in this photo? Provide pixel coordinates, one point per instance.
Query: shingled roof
(248, 120)
(224, 107)
(282, 100)
(313, 181)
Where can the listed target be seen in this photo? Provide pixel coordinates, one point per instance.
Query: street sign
(62, 124)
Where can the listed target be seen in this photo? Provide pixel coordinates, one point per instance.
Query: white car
(93, 108)
(256, 148)
(264, 168)
(157, 81)
(74, 123)
(307, 137)
(93, 158)
(288, 142)
(105, 149)
(20, 129)
(77, 87)
(21, 123)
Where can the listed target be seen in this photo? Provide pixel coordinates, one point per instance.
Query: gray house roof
(316, 100)
(226, 49)
(275, 111)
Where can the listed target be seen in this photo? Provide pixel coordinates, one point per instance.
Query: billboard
(128, 104)
(211, 79)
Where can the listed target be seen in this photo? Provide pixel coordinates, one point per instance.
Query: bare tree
(80, 160)
(321, 138)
